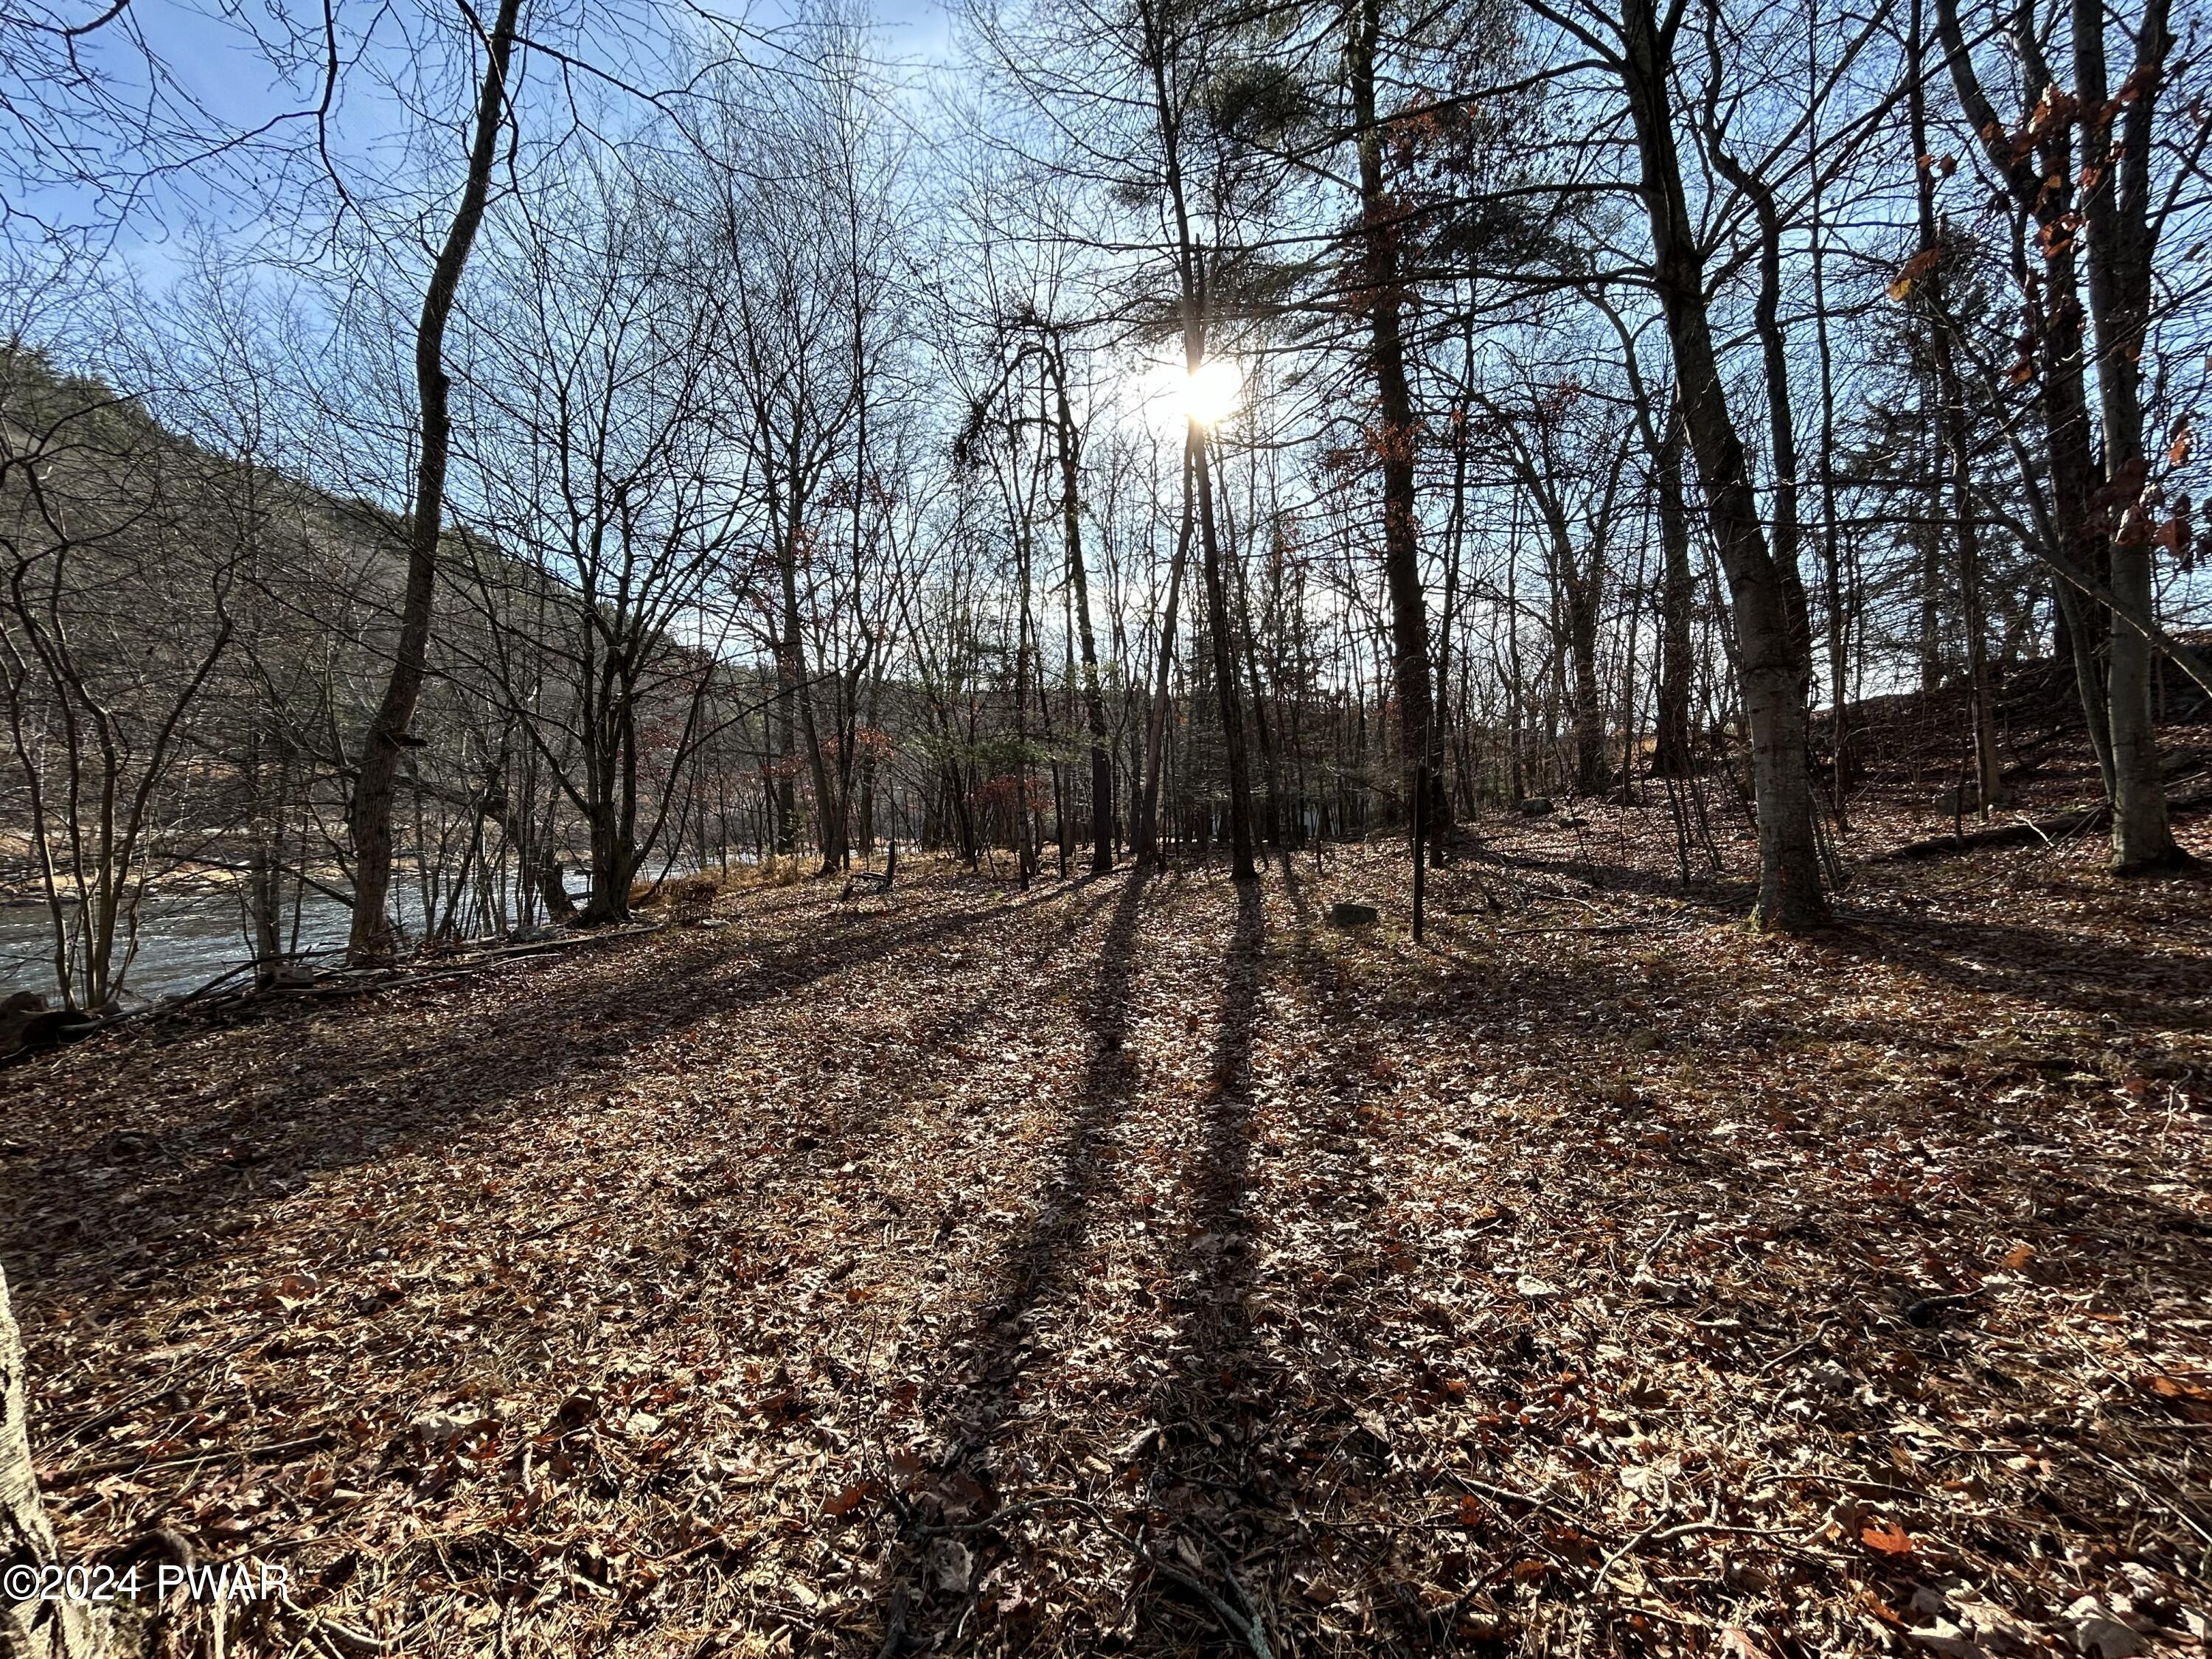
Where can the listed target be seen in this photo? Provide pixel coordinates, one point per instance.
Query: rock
(1534, 806)
(1354, 915)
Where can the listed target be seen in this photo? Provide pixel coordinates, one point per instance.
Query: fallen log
(2025, 831)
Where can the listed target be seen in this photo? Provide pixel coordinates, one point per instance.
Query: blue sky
(222, 81)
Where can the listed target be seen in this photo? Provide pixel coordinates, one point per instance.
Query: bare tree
(376, 772)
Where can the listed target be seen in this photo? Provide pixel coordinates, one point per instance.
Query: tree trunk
(1267, 823)
(1156, 717)
(1774, 356)
(1420, 741)
(1238, 762)
(376, 776)
(1193, 303)
(1678, 595)
(58, 1629)
(1772, 664)
(1956, 445)
(2116, 202)
(614, 866)
(1930, 550)
(1831, 563)
(1094, 700)
(1580, 593)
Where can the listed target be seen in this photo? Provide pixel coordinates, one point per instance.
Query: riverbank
(193, 931)
(1073, 1271)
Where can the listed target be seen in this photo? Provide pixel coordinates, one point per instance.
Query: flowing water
(185, 939)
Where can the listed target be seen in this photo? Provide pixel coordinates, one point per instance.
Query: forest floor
(1139, 1265)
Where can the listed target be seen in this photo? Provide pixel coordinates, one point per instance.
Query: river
(185, 939)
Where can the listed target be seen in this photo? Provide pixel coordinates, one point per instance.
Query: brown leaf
(1888, 1537)
(1880, 1609)
(849, 1499)
(1901, 286)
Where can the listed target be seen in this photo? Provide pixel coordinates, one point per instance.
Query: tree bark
(1241, 866)
(1678, 595)
(1094, 701)
(1772, 665)
(376, 777)
(2116, 203)
(1774, 356)
(57, 1629)
(1832, 563)
(1420, 741)
(1156, 717)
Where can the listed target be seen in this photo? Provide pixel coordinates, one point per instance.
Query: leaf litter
(1142, 1266)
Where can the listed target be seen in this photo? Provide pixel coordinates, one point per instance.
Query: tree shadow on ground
(1203, 1470)
(1723, 896)
(1572, 1010)
(170, 1184)
(1202, 1464)
(973, 1406)
(1257, 1455)
(2134, 985)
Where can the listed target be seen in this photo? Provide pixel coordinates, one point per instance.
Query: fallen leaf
(952, 1565)
(1888, 1537)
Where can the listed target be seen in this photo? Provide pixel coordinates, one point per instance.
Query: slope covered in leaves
(1140, 1266)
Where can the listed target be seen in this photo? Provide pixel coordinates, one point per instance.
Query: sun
(1209, 393)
